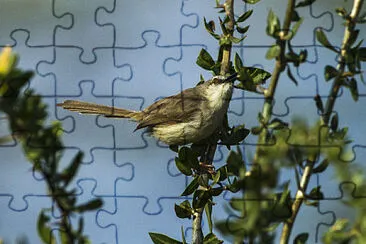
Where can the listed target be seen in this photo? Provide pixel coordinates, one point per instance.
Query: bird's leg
(209, 168)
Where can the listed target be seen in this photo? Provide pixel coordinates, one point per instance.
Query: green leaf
(191, 187)
(216, 178)
(158, 238)
(211, 239)
(235, 162)
(334, 122)
(341, 11)
(183, 167)
(319, 103)
(200, 198)
(330, 72)
(362, 54)
(316, 193)
(273, 52)
(277, 124)
(204, 60)
(183, 236)
(321, 167)
(259, 76)
(69, 173)
(208, 211)
(273, 24)
(296, 27)
(175, 148)
(242, 30)
(210, 27)
(183, 210)
(244, 16)
(89, 206)
(301, 238)
(44, 231)
(354, 89)
(223, 27)
(322, 38)
(251, 1)
(237, 40)
(289, 74)
(238, 134)
(304, 3)
(295, 16)
(238, 63)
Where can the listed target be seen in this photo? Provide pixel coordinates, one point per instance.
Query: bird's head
(220, 79)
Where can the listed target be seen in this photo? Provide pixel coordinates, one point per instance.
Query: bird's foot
(208, 168)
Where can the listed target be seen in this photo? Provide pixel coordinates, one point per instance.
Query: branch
(197, 235)
(287, 228)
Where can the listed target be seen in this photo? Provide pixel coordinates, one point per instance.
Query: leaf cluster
(43, 147)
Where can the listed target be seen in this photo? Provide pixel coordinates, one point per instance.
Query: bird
(187, 117)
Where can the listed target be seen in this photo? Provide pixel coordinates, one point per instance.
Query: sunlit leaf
(322, 38)
(204, 60)
(273, 52)
(244, 16)
(183, 210)
(191, 187)
(304, 3)
(162, 239)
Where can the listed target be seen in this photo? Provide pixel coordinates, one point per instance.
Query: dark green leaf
(295, 16)
(353, 37)
(216, 178)
(273, 24)
(204, 60)
(191, 187)
(183, 210)
(242, 30)
(200, 198)
(183, 167)
(244, 16)
(174, 148)
(162, 239)
(251, 1)
(237, 40)
(354, 89)
(210, 27)
(211, 239)
(277, 124)
(321, 167)
(362, 54)
(44, 231)
(234, 162)
(235, 186)
(322, 38)
(216, 191)
(304, 3)
(289, 74)
(208, 211)
(223, 27)
(334, 122)
(238, 63)
(273, 52)
(319, 103)
(237, 204)
(303, 55)
(89, 206)
(69, 173)
(311, 203)
(301, 238)
(238, 134)
(330, 72)
(316, 193)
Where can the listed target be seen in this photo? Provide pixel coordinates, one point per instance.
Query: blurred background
(129, 54)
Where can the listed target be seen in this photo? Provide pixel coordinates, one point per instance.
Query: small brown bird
(187, 117)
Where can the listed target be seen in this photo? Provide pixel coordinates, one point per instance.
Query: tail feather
(92, 108)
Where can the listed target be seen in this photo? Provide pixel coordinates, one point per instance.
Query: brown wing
(174, 109)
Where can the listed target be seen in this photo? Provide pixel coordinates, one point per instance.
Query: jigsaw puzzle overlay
(129, 54)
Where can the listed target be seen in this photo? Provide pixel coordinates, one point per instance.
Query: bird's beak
(231, 78)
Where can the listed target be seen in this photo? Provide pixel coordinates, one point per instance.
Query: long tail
(92, 108)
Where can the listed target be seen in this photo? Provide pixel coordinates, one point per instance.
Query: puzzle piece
(84, 14)
(101, 72)
(144, 17)
(38, 11)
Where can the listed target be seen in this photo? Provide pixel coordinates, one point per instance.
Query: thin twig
(287, 228)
